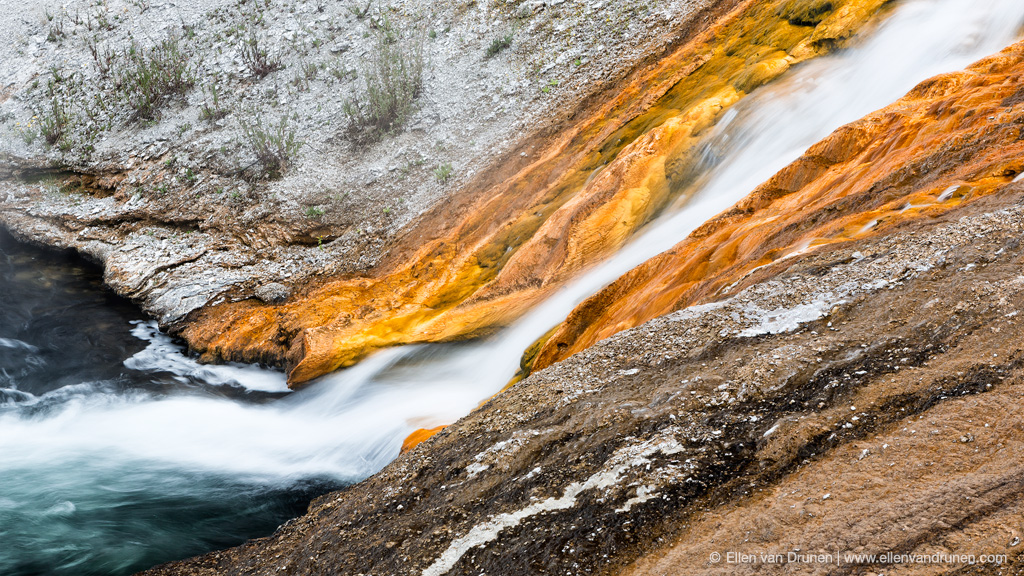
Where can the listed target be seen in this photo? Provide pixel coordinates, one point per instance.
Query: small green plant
(360, 13)
(56, 31)
(310, 70)
(443, 173)
(55, 122)
(29, 135)
(56, 75)
(102, 55)
(275, 147)
(190, 176)
(432, 34)
(393, 80)
(341, 73)
(211, 110)
(300, 82)
(147, 77)
(498, 44)
(314, 212)
(305, 75)
(257, 58)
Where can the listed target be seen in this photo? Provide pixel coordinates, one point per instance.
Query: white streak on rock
(481, 534)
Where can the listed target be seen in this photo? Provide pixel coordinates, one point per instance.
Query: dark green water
(106, 469)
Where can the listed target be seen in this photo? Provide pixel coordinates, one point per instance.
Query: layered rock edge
(478, 261)
(858, 397)
(953, 139)
(864, 400)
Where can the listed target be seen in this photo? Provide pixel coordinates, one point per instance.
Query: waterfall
(88, 463)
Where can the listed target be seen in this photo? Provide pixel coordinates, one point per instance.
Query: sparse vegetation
(358, 12)
(29, 135)
(147, 77)
(393, 79)
(134, 84)
(304, 76)
(211, 109)
(101, 54)
(275, 147)
(56, 30)
(314, 212)
(443, 173)
(341, 73)
(257, 58)
(310, 70)
(54, 122)
(499, 44)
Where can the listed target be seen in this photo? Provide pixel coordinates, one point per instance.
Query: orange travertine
(416, 438)
(955, 138)
(521, 230)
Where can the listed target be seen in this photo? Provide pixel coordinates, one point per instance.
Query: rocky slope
(165, 211)
(854, 405)
(953, 140)
(865, 400)
(173, 201)
(832, 367)
(526, 227)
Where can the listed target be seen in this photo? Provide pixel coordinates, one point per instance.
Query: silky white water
(92, 463)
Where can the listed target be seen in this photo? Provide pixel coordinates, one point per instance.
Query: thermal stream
(151, 456)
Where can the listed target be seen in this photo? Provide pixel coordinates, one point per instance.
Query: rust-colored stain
(955, 138)
(521, 231)
(418, 437)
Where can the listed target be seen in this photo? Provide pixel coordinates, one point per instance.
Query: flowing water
(117, 451)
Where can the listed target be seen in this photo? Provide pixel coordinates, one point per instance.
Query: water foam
(163, 355)
(73, 448)
(351, 423)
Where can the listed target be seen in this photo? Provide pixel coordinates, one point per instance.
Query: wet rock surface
(861, 397)
(953, 139)
(171, 206)
(864, 400)
(529, 225)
